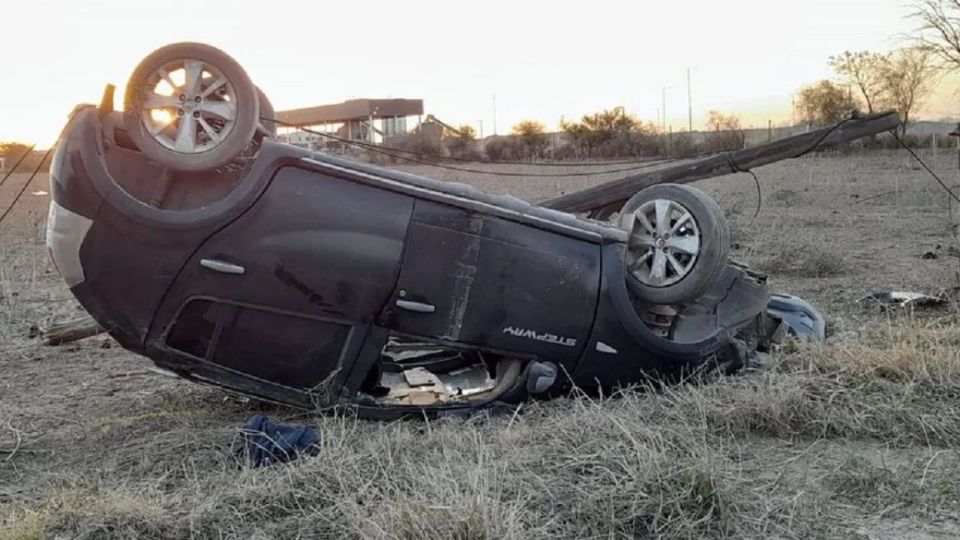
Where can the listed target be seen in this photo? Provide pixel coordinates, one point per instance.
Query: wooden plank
(609, 197)
(70, 331)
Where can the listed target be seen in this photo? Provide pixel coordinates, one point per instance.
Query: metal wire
(17, 164)
(945, 187)
(736, 168)
(27, 183)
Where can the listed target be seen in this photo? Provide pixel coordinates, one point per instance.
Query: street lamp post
(663, 98)
(689, 105)
(663, 107)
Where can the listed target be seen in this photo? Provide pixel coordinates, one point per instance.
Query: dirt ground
(93, 444)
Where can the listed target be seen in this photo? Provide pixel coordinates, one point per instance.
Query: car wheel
(678, 243)
(191, 107)
(265, 126)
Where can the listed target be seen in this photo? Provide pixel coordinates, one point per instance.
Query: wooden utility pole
(605, 199)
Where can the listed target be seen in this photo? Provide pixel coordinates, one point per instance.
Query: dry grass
(804, 260)
(791, 452)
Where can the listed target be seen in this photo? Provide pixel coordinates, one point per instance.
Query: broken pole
(70, 331)
(607, 198)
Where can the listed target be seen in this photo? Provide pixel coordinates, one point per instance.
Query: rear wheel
(678, 244)
(191, 107)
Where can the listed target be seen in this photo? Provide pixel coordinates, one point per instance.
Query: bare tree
(724, 132)
(12, 150)
(532, 136)
(939, 31)
(864, 70)
(460, 143)
(824, 103)
(907, 79)
(608, 133)
(467, 132)
(526, 128)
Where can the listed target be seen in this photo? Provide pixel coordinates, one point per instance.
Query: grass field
(854, 439)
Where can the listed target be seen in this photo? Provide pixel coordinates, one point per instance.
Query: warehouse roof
(354, 109)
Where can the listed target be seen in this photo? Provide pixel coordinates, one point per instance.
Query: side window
(194, 329)
(295, 351)
(285, 349)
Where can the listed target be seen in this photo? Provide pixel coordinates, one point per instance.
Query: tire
(265, 127)
(687, 272)
(204, 130)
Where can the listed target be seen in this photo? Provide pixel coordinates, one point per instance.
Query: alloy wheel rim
(188, 106)
(664, 243)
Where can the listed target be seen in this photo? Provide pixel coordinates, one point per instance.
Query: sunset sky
(542, 59)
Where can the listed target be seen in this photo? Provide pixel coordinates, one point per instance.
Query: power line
(924, 165)
(27, 183)
(17, 164)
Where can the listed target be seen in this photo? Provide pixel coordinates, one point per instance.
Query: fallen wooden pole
(609, 197)
(70, 331)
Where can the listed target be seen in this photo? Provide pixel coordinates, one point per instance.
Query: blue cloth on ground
(265, 442)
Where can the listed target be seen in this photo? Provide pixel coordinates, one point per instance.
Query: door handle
(419, 307)
(222, 266)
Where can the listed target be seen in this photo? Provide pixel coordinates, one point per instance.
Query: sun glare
(161, 116)
(178, 76)
(164, 89)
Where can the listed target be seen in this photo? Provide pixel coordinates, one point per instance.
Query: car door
(286, 292)
(473, 278)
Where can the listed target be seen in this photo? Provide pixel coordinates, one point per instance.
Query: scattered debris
(803, 320)
(419, 386)
(265, 442)
(903, 299)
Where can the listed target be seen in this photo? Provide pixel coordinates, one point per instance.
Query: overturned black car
(297, 277)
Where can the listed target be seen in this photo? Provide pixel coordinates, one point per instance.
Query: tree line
(900, 80)
(608, 133)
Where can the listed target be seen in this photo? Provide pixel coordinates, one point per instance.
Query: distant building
(369, 120)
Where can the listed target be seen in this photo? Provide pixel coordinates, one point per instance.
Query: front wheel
(678, 243)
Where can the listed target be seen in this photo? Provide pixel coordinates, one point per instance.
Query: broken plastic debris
(903, 299)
